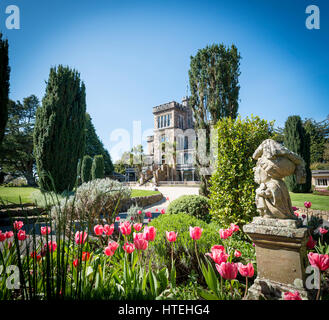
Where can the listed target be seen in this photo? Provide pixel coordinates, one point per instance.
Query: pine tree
(94, 146)
(297, 140)
(97, 169)
(59, 132)
(87, 163)
(4, 85)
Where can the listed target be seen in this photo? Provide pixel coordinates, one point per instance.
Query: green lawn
(12, 194)
(318, 202)
(142, 193)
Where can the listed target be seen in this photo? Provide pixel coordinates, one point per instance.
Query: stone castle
(171, 148)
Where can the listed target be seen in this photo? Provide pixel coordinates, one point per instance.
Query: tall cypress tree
(59, 132)
(297, 140)
(97, 169)
(86, 166)
(4, 85)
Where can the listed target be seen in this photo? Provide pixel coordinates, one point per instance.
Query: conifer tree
(97, 169)
(59, 132)
(86, 166)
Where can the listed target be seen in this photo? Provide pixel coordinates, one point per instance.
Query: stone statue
(274, 162)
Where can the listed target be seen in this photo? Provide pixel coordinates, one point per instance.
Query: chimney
(185, 101)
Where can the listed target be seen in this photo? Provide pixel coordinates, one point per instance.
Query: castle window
(169, 116)
(165, 121)
(185, 143)
(158, 122)
(322, 182)
(161, 122)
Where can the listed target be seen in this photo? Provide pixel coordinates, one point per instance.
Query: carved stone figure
(274, 162)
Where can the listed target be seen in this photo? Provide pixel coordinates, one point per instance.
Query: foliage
(99, 198)
(317, 140)
(4, 85)
(59, 132)
(86, 166)
(194, 205)
(16, 152)
(97, 169)
(214, 82)
(135, 214)
(297, 140)
(319, 166)
(183, 249)
(232, 190)
(94, 146)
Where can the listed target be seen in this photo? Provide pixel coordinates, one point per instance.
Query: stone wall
(317, 213)
(141, 201)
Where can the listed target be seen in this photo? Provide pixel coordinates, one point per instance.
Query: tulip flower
(75, 263)
(311, 243)
(117, 219)
(307, 204)
(235, 227)
(125, 228)
(18, 225)
(171, 236)
(138, 226)
(129, 247)
(247, 272)
(217, 247)
(295, 208)
(195, 233)
(109, 229)
(237, 253)
(139, 212)
(9, 234)
(2, 236)
(218, 256)
(109, 252)
(99, 229)
(85, 256)
(45, 230)
(148, 214)
(21, 235)
(80, 237)
(292, 296)
(113, 246)
(149, 220)
(323, 230)
(227, 270)
(157, 210)
(224, 234)
(52, 246)
(163, 211)
(140, 242)
(149, 233)
(34, 255)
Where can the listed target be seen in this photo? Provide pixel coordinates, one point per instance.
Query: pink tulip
(125, 228)
(140, 242)
(157, 210)
(296, 214)
(139, 212)
(52, 246)
(109, 252)
(163, 211)
(109, 229)
(149, 233)
(138, 226)
(218, 256)
(18, 225)
(195, 233)
(117, 219)
(227, 270)
(323, 231)
(80, 237)
(320, 261)
(303, 216)
(292, 296)
(2, 236)
(235, 227)
(295, 208)
(113, 246)
(224, 234)
(307, 204)
(99, 229)
(246, 271)
(149, 220)
(129, 247)
(75, 263)
(311, 243)
(9, 234)
(148, 214)
(171, 236)
(21, 235)
(45, 230)
(217, 247)
(237, 253)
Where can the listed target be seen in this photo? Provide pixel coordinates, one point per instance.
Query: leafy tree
(120, 167)
(232, 185)
(4, 85)
(297, 140)
(94, 146)
(59, 132)
(214, 84)
(16, 152)
(97, 169)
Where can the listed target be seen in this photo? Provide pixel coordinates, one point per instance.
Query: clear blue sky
(133, 55)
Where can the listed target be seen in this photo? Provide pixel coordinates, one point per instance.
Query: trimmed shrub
(87, 163)
(184, 251)
(93, 201)
(97, 168)
(193, 205)
(233, 189)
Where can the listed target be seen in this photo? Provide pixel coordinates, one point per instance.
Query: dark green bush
(184, 251)
(197, 206)
(87, 163)
(97, 169)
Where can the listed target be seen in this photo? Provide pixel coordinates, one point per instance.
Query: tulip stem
(245, 292)
(318, 294)
(231, 289)
(197, 255)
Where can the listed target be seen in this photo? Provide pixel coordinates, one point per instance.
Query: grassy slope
(142, 193)
(318, 202)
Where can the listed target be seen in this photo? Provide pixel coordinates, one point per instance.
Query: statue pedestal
(281, 257)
